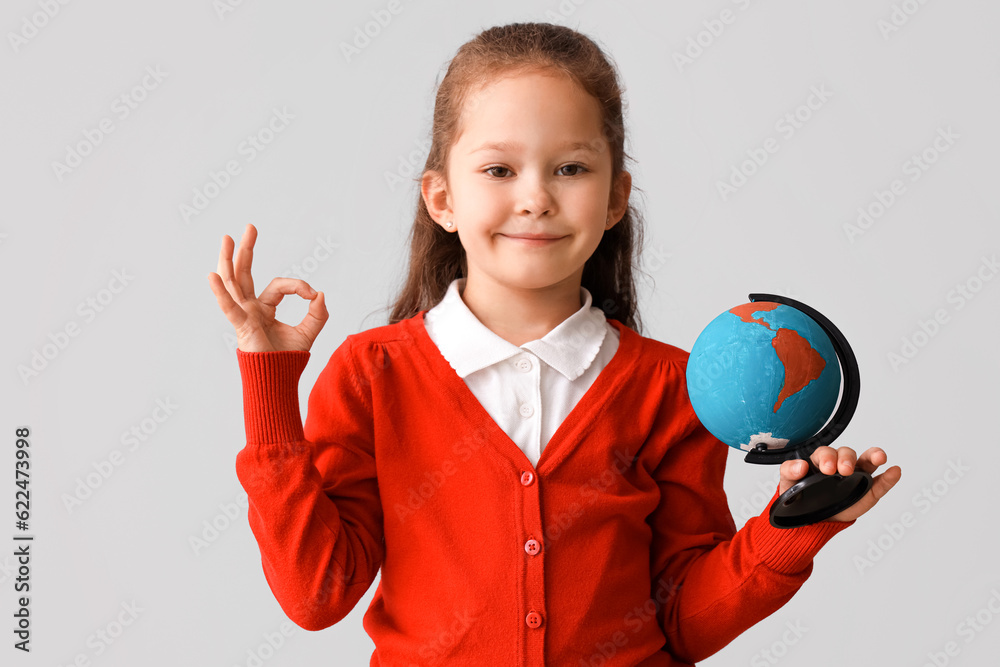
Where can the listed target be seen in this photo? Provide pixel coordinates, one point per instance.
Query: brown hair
(437, 256)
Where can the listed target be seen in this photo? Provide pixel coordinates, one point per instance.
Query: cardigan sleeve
(313, 496)
(720, 581)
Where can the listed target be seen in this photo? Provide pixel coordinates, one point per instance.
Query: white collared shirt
(527, 390)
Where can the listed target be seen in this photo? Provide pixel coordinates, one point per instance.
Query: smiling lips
(534, 239)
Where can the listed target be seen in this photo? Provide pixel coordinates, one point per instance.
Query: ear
(620, 191)
(435, 193)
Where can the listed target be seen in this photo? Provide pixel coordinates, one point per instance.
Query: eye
(489, 171)
(578, 167)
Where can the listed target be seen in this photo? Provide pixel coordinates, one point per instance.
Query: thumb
(880, 486)
(884, 482)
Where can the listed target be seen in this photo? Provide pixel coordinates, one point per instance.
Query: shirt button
(527, 478)
(532, 547)
(533, 619)
(526, 410)
(523, 365)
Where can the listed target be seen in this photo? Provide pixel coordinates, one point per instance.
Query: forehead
(532, 108)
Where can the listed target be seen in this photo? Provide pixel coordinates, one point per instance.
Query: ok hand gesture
(253, 316)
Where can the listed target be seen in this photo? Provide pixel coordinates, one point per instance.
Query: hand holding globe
(844, 460)
(764, 377)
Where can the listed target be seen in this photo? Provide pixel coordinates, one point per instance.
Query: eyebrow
(513, 146)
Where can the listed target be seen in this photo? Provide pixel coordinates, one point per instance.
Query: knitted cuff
(791, 550)
(270, 395)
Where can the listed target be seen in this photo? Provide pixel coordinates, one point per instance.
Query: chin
(534, 281)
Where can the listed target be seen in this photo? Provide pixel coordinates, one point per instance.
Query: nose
(537, 196)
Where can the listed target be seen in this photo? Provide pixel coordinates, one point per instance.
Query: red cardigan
(618, 549)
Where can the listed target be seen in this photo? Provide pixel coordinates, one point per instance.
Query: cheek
(477, 232)
(480, 199)
(491, 212)
(586, 196)
(589, 209)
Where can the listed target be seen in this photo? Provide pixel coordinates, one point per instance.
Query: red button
(533, 619)
(532, 547)
(527, 478)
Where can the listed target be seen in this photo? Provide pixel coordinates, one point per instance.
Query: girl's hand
(253, 317)
(843, 460)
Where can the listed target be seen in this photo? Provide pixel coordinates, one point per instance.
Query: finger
(881, 484)
(244, 260)
(825, 458)
(316, 317)
(847, 458)
(230, 308)
(279, 287)
(226, 269)
(872, 458)
(794, 470)
(790, 473)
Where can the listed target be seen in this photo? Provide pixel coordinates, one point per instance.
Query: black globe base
(817, 497)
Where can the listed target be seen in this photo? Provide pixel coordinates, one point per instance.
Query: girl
(522, 464)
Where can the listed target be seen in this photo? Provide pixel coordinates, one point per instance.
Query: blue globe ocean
(764, 373)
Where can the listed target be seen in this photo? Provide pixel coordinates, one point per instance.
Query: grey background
(323, 181)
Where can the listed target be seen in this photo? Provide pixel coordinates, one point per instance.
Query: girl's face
(531, 160)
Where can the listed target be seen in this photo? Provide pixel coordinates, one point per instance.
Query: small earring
(447, 224)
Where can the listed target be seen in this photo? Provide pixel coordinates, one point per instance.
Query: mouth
(533, 239)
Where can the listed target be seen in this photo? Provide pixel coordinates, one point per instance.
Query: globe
(763, 373)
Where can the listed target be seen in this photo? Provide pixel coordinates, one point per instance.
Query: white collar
(468, 345)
